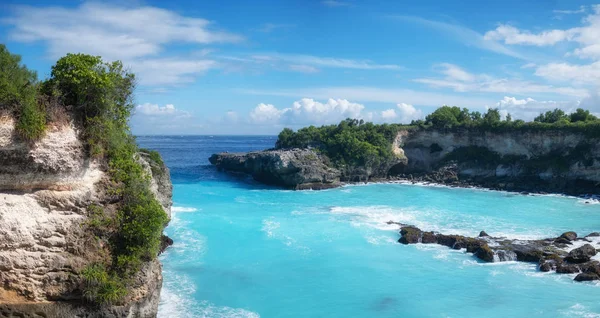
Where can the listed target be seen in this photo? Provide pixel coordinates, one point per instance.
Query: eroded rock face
(45, 191)
(547, 253)
(521, 160)
(294, 168)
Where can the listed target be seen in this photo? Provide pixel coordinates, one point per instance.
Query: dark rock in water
(581, 254)
(165, 242)
(489, 249)
(428, 238)
(564, 268)
(562, 242)
(571, 236)
(585, 277)
(485, 253)
(594, 234)
(483, 234)
(410, 235)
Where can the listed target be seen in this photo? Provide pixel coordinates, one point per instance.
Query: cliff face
(551, 160)
(554, 160)
(295, 168)
(45, 191)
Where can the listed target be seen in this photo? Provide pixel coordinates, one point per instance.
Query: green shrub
(31, 123)
(101, 287)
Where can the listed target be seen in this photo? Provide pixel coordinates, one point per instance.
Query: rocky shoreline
(566, 254)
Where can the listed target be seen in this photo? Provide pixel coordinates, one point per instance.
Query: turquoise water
(246, 250)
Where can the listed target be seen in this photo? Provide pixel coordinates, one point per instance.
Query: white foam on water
(579, 310)
(269, 225)
(178, 209)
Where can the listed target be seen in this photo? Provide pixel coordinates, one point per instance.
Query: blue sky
(254, 67)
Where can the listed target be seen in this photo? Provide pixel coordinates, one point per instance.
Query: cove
(245, 250)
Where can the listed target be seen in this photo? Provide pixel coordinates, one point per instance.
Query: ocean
(243, 249)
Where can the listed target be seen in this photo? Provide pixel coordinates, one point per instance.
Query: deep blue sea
(246, 250)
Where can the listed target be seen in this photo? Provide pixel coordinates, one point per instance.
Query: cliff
(553, 160)
(294, 168)
(521, 160)
(46, 191)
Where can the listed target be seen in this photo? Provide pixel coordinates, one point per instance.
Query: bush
(350, 143)
(101, 287)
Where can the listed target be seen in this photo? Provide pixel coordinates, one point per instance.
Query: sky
(255, 67)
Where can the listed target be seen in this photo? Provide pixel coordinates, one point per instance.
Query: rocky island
(548, 155)
(566, 254)
(82, 209)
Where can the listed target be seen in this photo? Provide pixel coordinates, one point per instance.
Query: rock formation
(46, 189)
(556, 160)
(565, 254)
(294, 168)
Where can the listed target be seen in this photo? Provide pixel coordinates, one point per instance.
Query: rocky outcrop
(46, 189)
(559, 161)
(293, 168)
(550, 254)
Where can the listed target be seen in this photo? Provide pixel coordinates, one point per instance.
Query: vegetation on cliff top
(354, 142)
(99, 96)
(351, 142)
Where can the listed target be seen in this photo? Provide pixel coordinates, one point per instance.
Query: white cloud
(589, 73)
(389, 114)
(307, 111)
(464, 35)
(512, 35)
(316, 61)
(460, 80)
(170, 71)
(408, 113)
(586, 36)
(529, 108)
(580, 10)
(149, 109)
(136, 35)
(376, 94)
(266, 113)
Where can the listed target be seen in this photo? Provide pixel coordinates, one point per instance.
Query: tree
(491, 117)
(552, 116)
(18, 94)
(101, 94)
(444, 117)
(582, 115)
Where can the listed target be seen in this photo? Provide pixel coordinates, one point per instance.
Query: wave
(181, 304)
(177, 209)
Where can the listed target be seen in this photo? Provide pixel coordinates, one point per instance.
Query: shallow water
(245, 250)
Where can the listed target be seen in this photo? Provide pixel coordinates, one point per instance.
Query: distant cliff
(550, 160)
(49, 191)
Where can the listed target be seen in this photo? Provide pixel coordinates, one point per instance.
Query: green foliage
(31, 122)
(101, 287)
(582, 115)
(352, 142)
(154, 155)
(552, 116)
(18, 95)
(101, 97)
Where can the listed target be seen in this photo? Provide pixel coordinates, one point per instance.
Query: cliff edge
(47, 191)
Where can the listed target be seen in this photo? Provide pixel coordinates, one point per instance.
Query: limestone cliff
(294, 168)
(551, 160)
(45, 191)
(521, 160)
